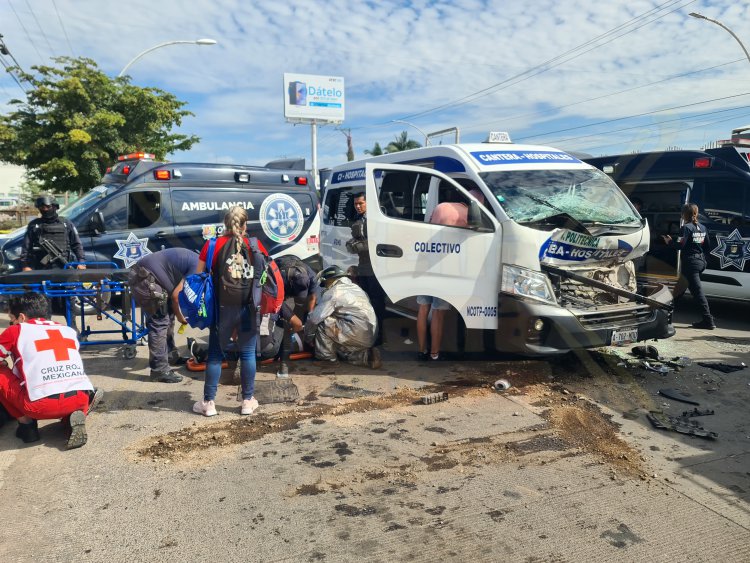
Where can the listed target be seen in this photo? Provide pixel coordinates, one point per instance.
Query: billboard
(310, 97)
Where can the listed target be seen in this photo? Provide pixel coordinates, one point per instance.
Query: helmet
(331, 273)
(46, 199)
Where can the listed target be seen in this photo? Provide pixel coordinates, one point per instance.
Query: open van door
(411, 256)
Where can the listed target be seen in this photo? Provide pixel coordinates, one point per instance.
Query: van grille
(619, 317)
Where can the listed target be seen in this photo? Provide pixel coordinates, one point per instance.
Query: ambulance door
(411, 256)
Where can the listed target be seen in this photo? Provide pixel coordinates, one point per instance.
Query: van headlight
(527, 283)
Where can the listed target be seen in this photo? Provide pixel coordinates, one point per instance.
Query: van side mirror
(474, 217)
(97, 223)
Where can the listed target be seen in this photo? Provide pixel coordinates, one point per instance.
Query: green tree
(76, 120)
(402, 143)
(375, 151)
(29, 190)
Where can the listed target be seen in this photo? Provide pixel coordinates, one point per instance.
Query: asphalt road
(564, 466)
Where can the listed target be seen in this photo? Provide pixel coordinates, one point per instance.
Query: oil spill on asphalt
(350, 510)
(496, 515)
(621, 538)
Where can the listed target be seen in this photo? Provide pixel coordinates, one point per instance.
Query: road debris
(433, 398)
(279, 390)
(697, 412)
(658, 369)
(677, 395)
(723, 367)
(501, 385)
(646, 351)
(683, 425)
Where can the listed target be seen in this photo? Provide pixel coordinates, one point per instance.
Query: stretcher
(85, 293)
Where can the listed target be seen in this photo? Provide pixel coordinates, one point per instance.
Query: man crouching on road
(46, 380)
(343, 323)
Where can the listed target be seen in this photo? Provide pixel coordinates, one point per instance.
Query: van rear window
(338, 206)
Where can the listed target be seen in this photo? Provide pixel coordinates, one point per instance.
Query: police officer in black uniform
(52, 228)
(691, 243)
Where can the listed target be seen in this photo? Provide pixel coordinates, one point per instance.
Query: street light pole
(160, 45)
(702, 17)
(426, 137)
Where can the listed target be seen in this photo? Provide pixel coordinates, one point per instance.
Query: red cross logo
(57, 343)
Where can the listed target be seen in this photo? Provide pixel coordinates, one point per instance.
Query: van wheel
(88, 307)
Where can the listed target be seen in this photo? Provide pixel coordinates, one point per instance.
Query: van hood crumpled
(563, 247)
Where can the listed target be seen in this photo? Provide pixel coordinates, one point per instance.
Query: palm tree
(402, 143)
(375, 151)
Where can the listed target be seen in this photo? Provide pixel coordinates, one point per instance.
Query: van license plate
(622, 337)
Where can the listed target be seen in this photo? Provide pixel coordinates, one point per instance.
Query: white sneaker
(249, 405)
(206, 408)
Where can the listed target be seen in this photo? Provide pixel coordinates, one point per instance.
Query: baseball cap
(299, 282)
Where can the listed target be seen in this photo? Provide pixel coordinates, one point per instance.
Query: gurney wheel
(129, 352)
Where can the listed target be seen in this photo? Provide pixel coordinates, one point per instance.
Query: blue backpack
(197, 298)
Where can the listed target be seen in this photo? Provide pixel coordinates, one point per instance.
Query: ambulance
(545, 264)
(144, 205)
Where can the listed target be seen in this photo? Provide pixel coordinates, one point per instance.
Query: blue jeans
(246, 324)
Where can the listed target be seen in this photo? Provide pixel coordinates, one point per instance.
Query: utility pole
(349, 146)
(5, 51)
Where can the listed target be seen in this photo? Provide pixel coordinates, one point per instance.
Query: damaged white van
(545, 265)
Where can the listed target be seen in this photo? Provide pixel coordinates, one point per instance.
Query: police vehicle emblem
(733, 250)
(132, 249)
(281, 218)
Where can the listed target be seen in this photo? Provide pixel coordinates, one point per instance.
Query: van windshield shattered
(589, 196)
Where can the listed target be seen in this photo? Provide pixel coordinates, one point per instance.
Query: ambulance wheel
(88, 307)
(129, 352)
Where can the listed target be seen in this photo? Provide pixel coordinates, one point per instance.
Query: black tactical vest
(55, 232)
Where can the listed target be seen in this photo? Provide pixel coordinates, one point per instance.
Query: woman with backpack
(232, 268)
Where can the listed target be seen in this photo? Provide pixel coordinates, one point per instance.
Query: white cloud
(402, 58)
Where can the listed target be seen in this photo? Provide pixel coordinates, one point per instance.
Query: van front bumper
(563, 330)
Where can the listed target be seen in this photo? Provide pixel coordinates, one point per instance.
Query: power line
(547, 65)
(65, 32)
(640, 126)
(26, 31)
(483, 125)
(733, 118)
(13, 76)
(633, 116)
(40, 27)
(5, 51)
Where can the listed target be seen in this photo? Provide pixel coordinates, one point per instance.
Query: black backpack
(233, 275)
(147, 293)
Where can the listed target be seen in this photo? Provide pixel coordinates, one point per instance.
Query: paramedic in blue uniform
(169, 267)
(51, 227)
(365, 275)
(692, 243)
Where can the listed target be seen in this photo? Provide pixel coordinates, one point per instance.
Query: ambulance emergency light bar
(136, 156)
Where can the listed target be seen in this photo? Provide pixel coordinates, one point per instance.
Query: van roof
(480, 157)
(727, 161)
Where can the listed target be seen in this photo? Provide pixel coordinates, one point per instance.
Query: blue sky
(566, 73)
